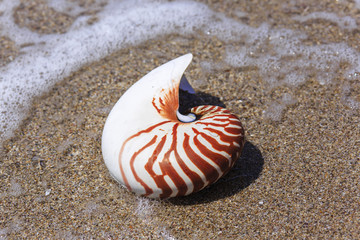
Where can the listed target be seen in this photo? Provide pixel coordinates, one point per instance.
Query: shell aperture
(155, 151)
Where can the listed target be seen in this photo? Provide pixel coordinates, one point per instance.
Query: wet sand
(298, 176)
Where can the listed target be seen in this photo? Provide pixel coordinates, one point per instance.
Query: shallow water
(283, 54)
(289, 70)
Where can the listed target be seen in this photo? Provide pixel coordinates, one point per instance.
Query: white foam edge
(62, 54)
(346, 22)
(321, 60)
(357, 4)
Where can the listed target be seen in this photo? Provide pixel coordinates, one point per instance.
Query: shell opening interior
(191, 117)
(185, 85)
(185, 90)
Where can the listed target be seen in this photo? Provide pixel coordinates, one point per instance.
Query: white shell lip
(135, 109)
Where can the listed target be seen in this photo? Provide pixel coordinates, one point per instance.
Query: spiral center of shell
(185, 118)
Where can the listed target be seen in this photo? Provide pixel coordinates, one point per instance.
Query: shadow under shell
(245, 171)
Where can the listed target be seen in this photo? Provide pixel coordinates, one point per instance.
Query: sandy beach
(298, 176)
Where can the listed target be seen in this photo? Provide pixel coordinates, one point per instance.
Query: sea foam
(343, 22)
(51, 57)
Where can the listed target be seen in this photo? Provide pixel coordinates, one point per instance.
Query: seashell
(157, 152)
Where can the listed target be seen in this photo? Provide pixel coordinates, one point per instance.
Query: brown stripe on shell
(212, 118)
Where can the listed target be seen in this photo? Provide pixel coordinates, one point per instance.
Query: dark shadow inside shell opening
(188, 100)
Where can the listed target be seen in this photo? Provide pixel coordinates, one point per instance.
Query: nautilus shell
(155, 151)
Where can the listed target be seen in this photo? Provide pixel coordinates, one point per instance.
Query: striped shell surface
(149, 150)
